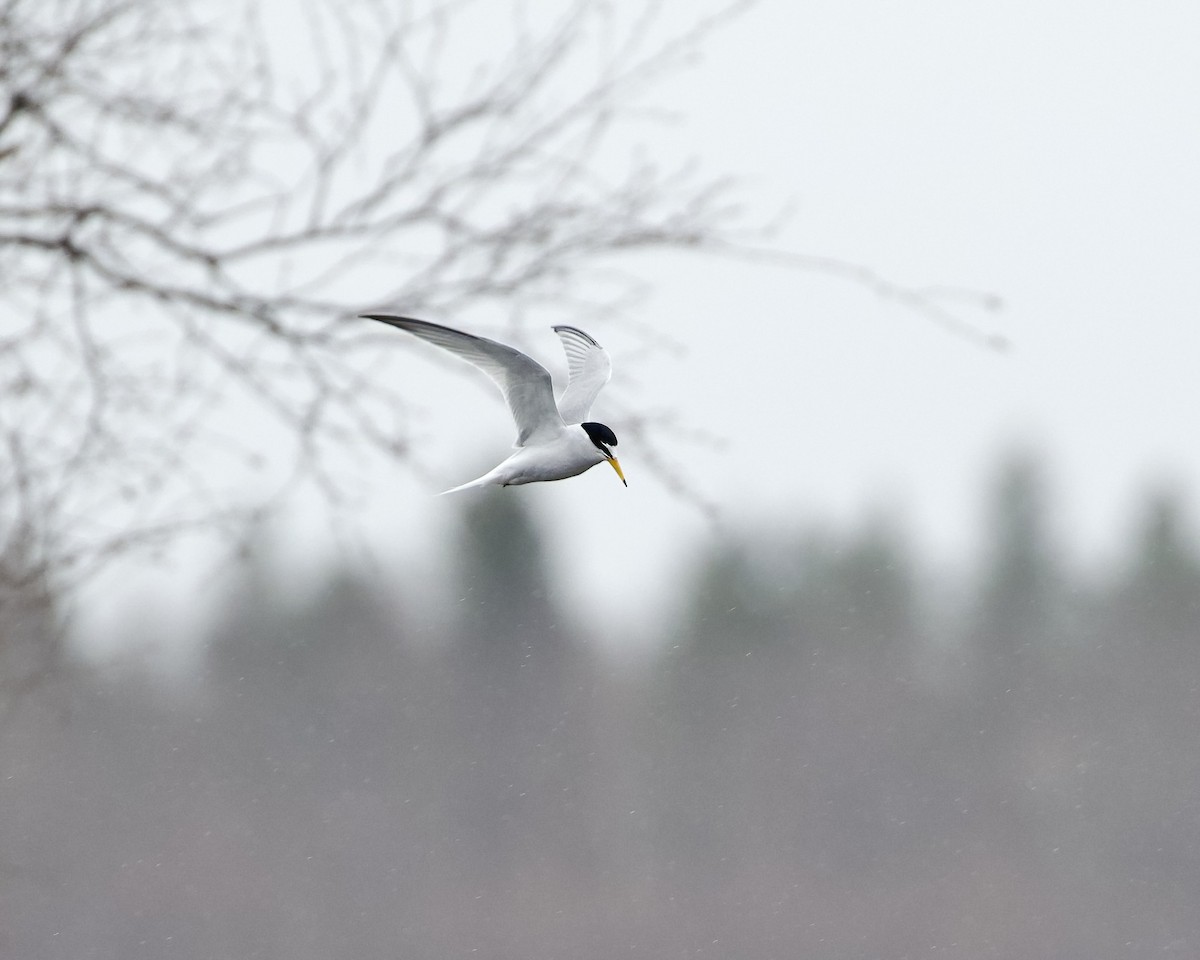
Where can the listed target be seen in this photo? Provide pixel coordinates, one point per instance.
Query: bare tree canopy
(194, 199)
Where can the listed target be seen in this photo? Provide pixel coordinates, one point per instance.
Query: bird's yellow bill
(616, 466)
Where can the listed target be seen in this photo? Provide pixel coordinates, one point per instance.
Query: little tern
(554, 440)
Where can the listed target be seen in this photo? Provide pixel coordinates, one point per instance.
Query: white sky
(1049, 153)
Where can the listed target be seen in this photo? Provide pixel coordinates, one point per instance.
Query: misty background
(826, 754)
(891, 648)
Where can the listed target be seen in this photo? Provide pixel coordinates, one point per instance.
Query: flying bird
(554, 440)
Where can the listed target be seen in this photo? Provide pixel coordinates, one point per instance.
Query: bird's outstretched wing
(525, 383)
(588, 369)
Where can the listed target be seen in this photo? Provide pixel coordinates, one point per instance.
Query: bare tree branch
(195, 198)
(192, 208)
(933, 302)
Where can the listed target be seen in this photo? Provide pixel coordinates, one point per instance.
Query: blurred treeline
(837, 752)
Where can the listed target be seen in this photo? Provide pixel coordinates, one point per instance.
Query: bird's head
(603, 438)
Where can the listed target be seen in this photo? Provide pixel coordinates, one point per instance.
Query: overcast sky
(1047, 153)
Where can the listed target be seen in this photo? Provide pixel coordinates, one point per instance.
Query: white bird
(554, 441)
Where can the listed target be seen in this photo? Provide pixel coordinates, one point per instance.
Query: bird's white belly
(538, 464)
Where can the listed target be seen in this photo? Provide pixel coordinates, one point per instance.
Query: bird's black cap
(600, 434)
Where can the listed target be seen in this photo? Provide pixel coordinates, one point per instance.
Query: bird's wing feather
(589, 369)
(525, 383)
